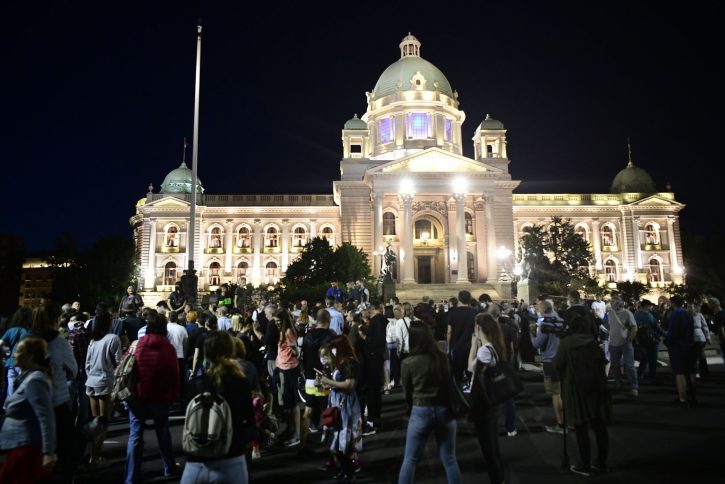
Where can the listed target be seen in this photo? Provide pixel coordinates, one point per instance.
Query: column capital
(257, 221)
(459, 198)
(285, 220)
(595, 221)
(407, 198)
(671, 219)
(229, 221)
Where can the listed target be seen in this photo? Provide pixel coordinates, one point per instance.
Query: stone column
(672, 245)
(313, 228)
(637, 242)
(228, 246)
(480, 228)
(597, 245)
(257, 259)
(452, 242)
(408, 277)
(150, 277)
(377, 232)
(490, 239)
(285, 244)
(461, 231)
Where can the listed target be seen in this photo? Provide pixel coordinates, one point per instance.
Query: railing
(253, 200)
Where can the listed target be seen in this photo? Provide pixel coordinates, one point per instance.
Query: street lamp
(502, 253)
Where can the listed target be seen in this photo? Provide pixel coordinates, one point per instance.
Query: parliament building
(405, 183)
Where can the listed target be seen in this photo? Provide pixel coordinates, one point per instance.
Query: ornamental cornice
(569, 208)
(439, 207)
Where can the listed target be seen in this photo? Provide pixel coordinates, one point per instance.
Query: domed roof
(355, 123)
(490, 123)
(398, 76)
(633, 179)
(179, 181)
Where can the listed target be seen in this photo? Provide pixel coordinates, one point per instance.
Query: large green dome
(633, 179)
(179, 181)
(398, 76)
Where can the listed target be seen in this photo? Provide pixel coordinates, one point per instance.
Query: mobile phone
(319, 372)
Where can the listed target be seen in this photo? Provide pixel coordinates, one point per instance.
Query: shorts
(313, 397)
(287, 387)
(552, 384)
(98, 392)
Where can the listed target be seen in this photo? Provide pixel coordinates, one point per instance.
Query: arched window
(468, 223)
(581, 229)
(172, 236)
(170, 273)
(272, 272)
(655, 270)
(609, 237)
(215, 274)
(271, 238)
(299, 237)
(388, 223)
(425, 229)
(215, 238)
(242, 272)
(328, 234)
(610, 270)
(244, 239)
(652, 233)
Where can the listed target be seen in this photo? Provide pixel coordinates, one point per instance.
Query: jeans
(222, 471)
(623, 355)
(79, 400)
(510, 415)
(394, 363)
(138, 413)
(486, 423)
(649, 364)
(422, 421)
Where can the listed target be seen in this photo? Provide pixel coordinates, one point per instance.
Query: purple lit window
(417, 125)
(448, 129)
(386, 130)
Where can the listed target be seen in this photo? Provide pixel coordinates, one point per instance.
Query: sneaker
(582, 470)
(554, 429)
(93, 431)
(369, 429)
(328, 465)
(512, 434)
(174, 471)
(256, 455)
(313, 429)
(356, 465)
(292, 442)
(635, 393)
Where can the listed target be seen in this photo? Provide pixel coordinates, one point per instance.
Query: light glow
(503, 252)
(406, 186)
(460, 185)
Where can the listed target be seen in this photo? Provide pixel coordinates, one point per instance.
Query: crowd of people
(269, 374)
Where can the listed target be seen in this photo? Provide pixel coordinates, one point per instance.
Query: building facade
(406, 184)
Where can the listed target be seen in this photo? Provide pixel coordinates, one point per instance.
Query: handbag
(624, 329)
(458, 402)
(497, 384)
(331, 418)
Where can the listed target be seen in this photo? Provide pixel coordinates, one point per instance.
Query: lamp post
(502, 254)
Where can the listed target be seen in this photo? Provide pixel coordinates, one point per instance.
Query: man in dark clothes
(461, 321)
(374, 335)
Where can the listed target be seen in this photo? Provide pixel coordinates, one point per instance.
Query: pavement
(652, 439)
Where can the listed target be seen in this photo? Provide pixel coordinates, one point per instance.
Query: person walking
(681, 348)
(487, 349)
(224, 377)
(28, 436)
(157, 387)
(622, 331)
(648, 337)
(587, 404)
(544, 339)
(460, 328)
(701, 337)
(287, 373)
(425, 377)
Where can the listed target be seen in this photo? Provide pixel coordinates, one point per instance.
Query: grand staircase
(413, 293)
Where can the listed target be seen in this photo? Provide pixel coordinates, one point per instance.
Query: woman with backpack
(425, 378)
(102, 357)
(487, 350)
(346, 436)
(157, 387)
(219, 460)
(580, 362)
(28, 436)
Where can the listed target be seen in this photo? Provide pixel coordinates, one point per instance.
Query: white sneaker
(512, 434)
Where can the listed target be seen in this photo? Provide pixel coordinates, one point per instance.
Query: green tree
(556, 259)
(632, 291)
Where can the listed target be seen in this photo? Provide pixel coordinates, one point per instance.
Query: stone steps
(413, 293)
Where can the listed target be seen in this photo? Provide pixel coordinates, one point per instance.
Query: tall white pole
(195, 150)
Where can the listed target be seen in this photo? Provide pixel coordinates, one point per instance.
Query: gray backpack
(207, 427)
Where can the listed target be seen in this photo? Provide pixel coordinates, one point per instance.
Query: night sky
(99, 95)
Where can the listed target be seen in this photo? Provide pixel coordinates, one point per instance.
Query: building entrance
(425, 274)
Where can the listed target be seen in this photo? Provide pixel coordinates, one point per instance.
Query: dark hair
(286, 324)
(389, 312)
(156, 324)
(484, 298)
(22, 317)
(219, 353)
(492, 329)
(422, 343)
(323, 316)
(453, 302)
(37, 348)
(464, 296)
(583, 324)
(574, 296)
(42, 319)
(345, 357)
(101, 325)
(677, 301)
(173, 316)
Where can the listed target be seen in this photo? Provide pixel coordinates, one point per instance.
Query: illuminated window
(242, 272)
(328, 235)
(448, 130)
(609, 238)
(272, 272)
(172, 236)
(388, 223)
(215, 274)
(425, 230)
(655, 271)
(243, 238)
(469, 223)
(582, 230)
(215, 238)
(170, 273)
(610, 271)
(387, 130)
(652, 233)
(417, 125)
(299, 238)
(271, 238)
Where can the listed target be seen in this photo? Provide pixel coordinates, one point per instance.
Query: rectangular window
(448, 130)
(417, 125)
(387, 130)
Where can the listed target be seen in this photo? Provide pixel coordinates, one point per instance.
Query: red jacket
(157, 371)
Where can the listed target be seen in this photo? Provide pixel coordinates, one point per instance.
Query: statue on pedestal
(388, 264)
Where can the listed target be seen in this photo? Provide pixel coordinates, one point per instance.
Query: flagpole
(191, 286)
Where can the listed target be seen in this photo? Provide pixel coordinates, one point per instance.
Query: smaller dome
(355, 123)
(633, 179)
(179, 181)
(490, 123)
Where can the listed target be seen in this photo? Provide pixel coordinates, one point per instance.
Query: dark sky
(98, 96)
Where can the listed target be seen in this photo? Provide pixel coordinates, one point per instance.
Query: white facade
(405, 182)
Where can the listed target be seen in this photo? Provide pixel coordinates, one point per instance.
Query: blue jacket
(546, 343)
(29, 417)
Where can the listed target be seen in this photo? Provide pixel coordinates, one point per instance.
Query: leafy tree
(632, 291)
(556, 259)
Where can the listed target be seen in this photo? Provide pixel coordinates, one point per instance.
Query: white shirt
(702, 332)
(224, 323)
(599, 308)
(337, 320)
(177, 336)
(402, 334)
(485, 356)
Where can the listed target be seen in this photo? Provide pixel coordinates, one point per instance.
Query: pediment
(168, 201)
(656, 201)
(433, 160)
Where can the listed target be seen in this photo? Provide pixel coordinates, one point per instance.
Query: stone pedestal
(388, 290)
(526, 291)
(504, 289)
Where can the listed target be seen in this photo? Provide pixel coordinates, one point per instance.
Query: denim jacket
(29, 417)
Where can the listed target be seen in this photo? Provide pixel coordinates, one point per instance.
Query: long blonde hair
(219, 353)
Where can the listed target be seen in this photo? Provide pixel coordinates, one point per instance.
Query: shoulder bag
(496, 384)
